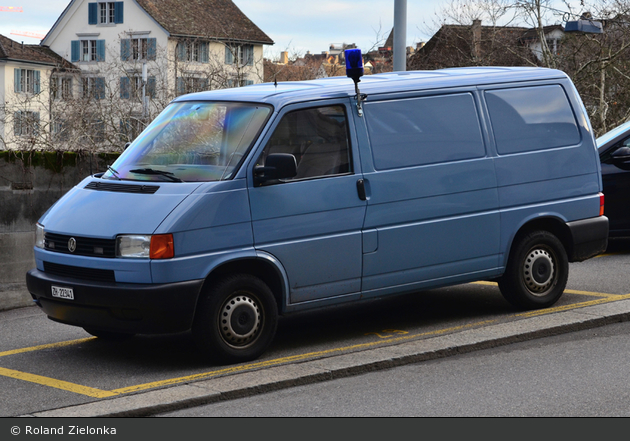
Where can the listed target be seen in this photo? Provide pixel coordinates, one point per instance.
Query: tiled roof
(33, 53)
(214, 19)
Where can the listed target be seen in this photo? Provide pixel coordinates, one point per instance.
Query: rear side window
(531, 118)
(425, 130)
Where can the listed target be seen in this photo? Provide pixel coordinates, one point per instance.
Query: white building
(136, 55)
(25, 93)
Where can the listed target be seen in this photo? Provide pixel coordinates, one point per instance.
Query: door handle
(361, 189)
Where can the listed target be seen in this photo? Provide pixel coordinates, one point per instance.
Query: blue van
(236, 206)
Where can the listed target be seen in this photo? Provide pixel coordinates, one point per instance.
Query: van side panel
(433, 199)
(547, 170)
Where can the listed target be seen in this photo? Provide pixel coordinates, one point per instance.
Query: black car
(614, 154)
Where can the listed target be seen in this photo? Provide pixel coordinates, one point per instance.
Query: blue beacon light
(354, 70)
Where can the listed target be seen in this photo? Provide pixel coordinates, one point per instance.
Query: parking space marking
(46, 346)
(99, 393)
(57, 384)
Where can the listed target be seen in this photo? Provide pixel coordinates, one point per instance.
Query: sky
(293, 25)
(296, 26)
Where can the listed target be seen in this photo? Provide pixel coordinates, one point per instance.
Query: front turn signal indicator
(162, 246)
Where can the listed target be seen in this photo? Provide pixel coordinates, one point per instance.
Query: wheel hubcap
(240, 321)
(538, 271)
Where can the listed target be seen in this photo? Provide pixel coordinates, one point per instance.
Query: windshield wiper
(151, 171)
(114, 172)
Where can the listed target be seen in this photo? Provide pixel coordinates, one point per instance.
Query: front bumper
(118, 307)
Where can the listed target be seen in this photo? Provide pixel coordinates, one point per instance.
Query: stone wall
(30, 182)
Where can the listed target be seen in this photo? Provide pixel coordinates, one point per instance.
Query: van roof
(338, 87)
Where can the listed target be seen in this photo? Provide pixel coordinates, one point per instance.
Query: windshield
(192, 142)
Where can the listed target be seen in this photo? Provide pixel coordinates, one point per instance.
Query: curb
(355, 363)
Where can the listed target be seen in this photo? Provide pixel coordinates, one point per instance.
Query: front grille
(77, 272)
(122, 188)
(85, 246)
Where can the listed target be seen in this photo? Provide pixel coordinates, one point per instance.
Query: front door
(312, 223)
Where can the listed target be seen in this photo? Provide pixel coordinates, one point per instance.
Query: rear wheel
(236, 319)
(537, 271)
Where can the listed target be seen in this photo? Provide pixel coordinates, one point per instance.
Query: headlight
(39, 236)
(145, 246)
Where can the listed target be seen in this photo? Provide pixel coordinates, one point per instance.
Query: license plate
(62, 293)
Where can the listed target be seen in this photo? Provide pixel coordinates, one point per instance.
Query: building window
(26, 123)
(130, 128)
(137, 49)
(26, 81)
(131, 87)
(233, 82)
(197, 51)
(61, 88)
(87, 50)
(243, 53)
(61, 130)
(105, 13)
(93, 87)
(191, 84)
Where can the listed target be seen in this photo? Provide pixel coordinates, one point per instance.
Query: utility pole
(400, 35)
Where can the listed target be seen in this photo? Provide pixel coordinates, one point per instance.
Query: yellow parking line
(98, 393)
(57, 384)
(608, 299)
(293, 358)
(46, 346)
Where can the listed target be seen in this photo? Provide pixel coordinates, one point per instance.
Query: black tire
(108, 335)
(537, 271)
(236, 319)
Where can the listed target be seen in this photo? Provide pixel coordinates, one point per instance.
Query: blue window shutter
(125, 49)
(151, 48)
(249, 54)
(124, 88)
(99, 88)
(35, 123)
(229, 56)
(36, 86)
(118, 12)
(181, 51)
(180, 86)
(151, 87)
(17, 80)
(17, 123)
(100, 50)
(75, 52)
(92, 13)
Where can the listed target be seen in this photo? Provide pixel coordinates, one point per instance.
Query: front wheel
(236, 319)
(537, 271)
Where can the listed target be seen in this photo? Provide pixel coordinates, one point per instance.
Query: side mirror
(621, 154)
(277, 166)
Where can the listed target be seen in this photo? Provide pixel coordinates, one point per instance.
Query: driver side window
(317, 138)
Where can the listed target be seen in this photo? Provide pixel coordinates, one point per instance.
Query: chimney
(284, 57)
(476, 38)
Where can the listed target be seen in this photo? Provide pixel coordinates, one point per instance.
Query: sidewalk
(274, 375)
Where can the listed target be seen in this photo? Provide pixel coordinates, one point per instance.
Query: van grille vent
(77, 272)
(122, 188)
(85, 246)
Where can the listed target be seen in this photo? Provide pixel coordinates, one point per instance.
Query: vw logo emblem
(72, 244)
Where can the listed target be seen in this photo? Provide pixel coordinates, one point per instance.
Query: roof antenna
(275, 81)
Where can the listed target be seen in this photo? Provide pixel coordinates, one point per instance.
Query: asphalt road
(49, 369)
(579, 374)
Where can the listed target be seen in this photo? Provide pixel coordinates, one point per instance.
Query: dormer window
(102, 13)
